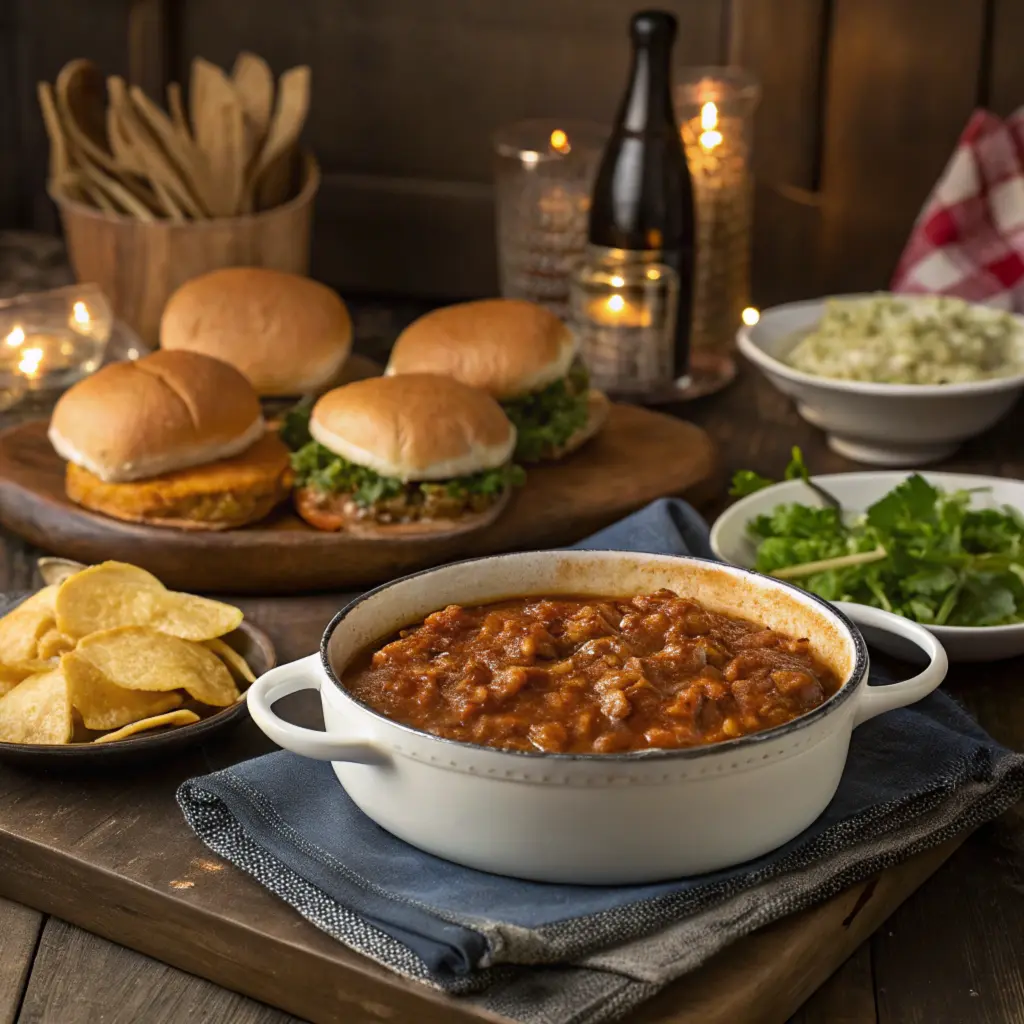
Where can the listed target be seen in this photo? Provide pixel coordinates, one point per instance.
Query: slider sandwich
(522, 355)
(402, 456)
(174, 439)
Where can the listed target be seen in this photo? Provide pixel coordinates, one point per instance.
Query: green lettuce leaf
(546, 419)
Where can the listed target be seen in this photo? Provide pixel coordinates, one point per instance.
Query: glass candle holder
(49, 340)
(544, 174)
(715, 106)
(624, 315)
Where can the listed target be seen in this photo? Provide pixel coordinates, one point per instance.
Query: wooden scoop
(254, 83)
(219, 127)
(270, 177)
(81, 101)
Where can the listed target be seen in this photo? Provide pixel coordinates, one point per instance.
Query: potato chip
(53, 643)
(157, 722)
(37, 710)
(21, 629)
(104, 705)
(11, 675)
(232, 659)
(141, 658)
(114, 594)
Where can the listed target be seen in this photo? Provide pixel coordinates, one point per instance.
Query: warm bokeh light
(617, 282)
(750, 316)
(16, 337)
(30, 360)
(616, 303)
(709, 140)
(560, 141)
(80, 313)
(708, 117)
(529, 158)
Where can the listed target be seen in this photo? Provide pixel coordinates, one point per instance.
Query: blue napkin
(561, 954)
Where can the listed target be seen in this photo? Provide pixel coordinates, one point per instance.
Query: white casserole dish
(598, 818)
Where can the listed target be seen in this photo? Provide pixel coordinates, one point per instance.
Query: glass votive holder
(49, 340)
(715, 107)
(624, 316)
(544, 174)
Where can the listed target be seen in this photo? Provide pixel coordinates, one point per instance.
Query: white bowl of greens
(893, 380)
(943, 549)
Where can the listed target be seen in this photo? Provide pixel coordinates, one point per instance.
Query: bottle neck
(648, 100)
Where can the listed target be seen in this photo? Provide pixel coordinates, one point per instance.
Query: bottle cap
(647, 27)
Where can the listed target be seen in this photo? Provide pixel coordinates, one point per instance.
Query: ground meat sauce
(590, 675)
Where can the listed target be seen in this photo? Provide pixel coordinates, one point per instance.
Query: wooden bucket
(138, 265)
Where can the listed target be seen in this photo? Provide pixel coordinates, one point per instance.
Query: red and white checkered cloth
(969, 239)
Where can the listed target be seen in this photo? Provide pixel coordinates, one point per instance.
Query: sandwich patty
(215, 496)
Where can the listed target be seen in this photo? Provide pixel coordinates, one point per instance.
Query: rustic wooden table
(952, 953)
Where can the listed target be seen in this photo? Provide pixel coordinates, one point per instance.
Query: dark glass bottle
(643, 194)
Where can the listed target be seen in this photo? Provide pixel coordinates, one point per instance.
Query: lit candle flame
(81, 314)
(30, 360)
(616, 303)
(16, 337)
(750, 316)
(560, 141)
(710, 137)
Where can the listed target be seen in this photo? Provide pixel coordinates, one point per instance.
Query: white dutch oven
(599, 818)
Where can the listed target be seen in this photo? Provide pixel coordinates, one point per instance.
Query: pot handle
(877, 699)
(305, 674)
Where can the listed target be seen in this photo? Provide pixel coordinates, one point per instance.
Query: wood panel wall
(863, 101)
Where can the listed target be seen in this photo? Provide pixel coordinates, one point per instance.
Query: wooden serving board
(639, 456)
(112, 854)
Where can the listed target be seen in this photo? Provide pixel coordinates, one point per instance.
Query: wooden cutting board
(112, 854)
(639, 456)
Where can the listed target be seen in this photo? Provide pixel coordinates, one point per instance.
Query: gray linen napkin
(560, 954)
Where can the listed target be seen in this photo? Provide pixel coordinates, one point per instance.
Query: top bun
(506, 347)
(164, 412)
(415, 427)
(288, 334)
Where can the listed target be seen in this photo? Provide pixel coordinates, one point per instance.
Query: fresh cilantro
(546, 419)
(918, 551)
(746, 481)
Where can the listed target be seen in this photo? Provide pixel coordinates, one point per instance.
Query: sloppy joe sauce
(590, 675)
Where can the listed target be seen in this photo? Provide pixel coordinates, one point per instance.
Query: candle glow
(16, 337)
(80, 314)
(30, 360)
(616, 303)
(560, 141)
(710, 137)
(750, 316)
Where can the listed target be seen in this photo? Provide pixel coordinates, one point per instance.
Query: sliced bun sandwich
(520, 353)
(288, 334)
(173, 439)
(415, 455)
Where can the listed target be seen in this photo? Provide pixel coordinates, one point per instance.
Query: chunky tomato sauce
(590, 675)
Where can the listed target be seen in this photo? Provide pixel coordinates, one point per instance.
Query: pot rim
(857, 674)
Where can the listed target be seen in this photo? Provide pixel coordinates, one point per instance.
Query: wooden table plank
(80, 979)
(848, 997)
(20, 928)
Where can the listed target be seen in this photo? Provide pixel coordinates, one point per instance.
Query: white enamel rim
(745, 338)
(736, 517)
(315, 670)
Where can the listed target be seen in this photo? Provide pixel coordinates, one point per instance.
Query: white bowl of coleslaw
(892, 380)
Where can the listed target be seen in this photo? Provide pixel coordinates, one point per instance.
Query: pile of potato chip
(111, 652)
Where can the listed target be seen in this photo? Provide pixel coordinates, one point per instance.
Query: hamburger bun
(166, 412)
(414, 427)
(506, 347)
(288, 334)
